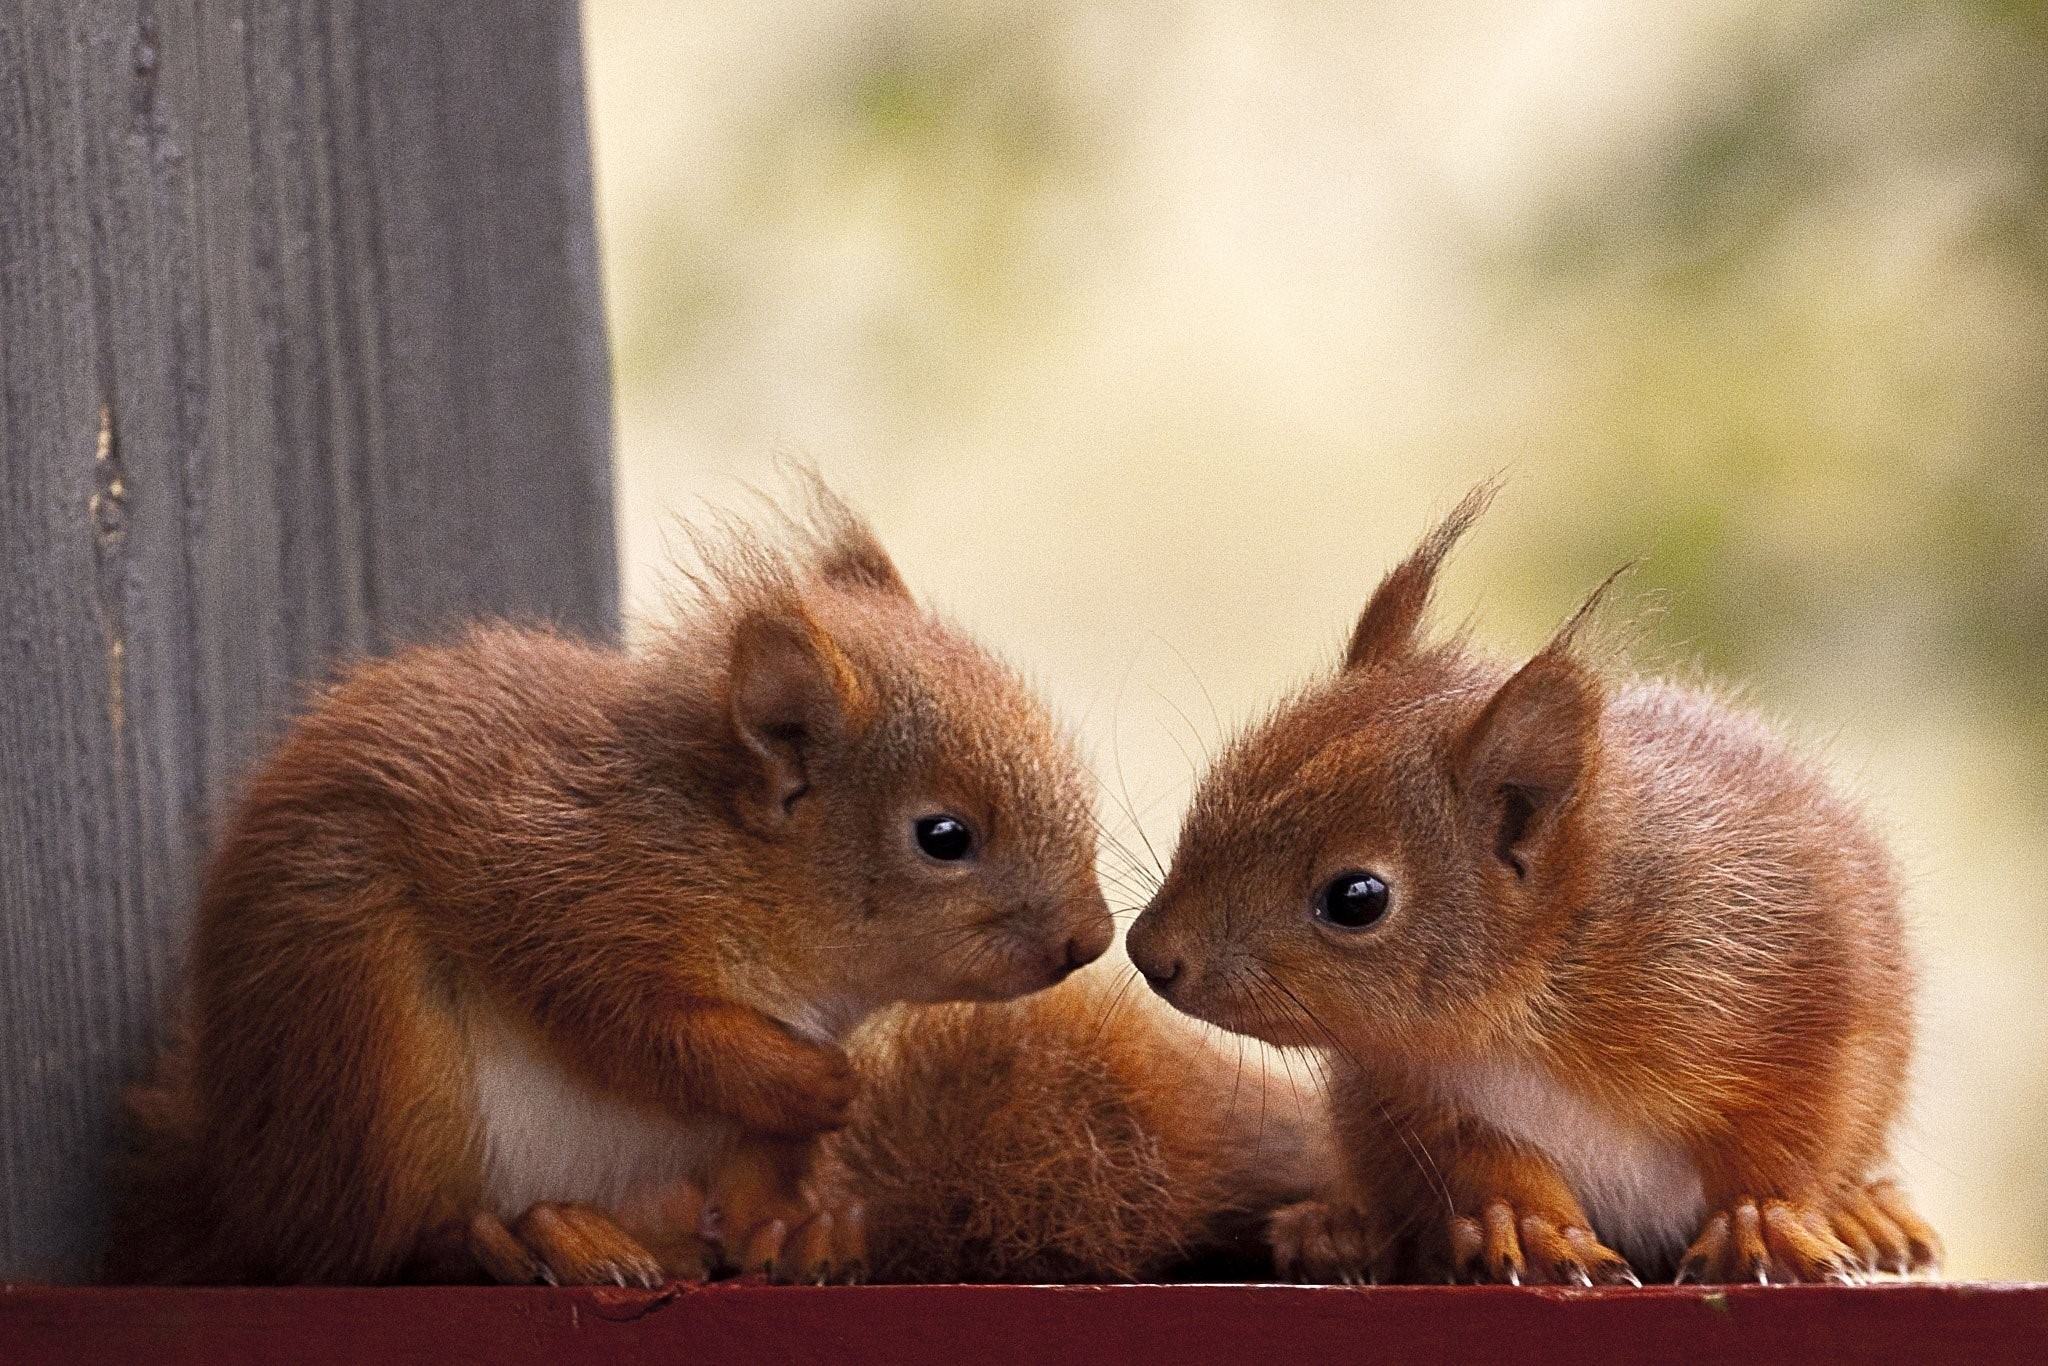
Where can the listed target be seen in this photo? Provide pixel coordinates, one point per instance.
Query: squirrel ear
(1386, 628)
(1527, 753)
(791, 689)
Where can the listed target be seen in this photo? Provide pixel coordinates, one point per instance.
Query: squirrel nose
(1155, 962)
(1078, 952)
(1090, 931)
(1161, 980)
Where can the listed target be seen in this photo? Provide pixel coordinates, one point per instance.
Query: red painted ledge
(969, 1325)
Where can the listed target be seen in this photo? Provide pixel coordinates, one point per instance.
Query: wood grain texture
(301, 355)
(1075, 1325)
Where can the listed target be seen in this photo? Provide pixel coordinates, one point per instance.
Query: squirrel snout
(1087, 941)
(1161, 980)
(1076, 955)
(1159, 968)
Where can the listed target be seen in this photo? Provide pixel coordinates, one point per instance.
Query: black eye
(944, 837)
(1351, 901)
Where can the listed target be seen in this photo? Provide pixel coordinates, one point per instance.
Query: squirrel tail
(159, 1226)
(1086, 1133)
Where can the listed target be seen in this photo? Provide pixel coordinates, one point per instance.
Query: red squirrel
(516, 944)
(1608, 978)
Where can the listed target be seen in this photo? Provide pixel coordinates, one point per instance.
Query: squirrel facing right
(1607, 976)
(518, 944)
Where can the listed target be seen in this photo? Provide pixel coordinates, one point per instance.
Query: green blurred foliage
(1791, 420)
(934, 135)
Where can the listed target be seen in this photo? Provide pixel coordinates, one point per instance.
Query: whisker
(1130, 814)
(1281, 1008)
(1116, 1001)
(1200, 743)
(1116, 757)
(1124, 883)
(1109, 837)
(1215, 717)
(1418, 1153)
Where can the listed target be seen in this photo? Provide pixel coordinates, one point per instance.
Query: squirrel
(1609, 980)
(519, 949)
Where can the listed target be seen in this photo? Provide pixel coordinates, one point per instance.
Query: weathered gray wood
(300, 354)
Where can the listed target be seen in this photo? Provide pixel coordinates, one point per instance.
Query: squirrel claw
(1883, 1232)
(1320, 1244)
(826, 1246)
(1770, 1242)
(1501, 1245)
(555, 1244)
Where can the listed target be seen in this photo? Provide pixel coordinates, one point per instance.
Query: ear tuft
(844, 549)
(855, 559)
(1386, 628)
(791, 690)
(1566, 639)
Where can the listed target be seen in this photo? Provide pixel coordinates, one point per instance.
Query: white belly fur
(1642, 1194)
(547, 1135)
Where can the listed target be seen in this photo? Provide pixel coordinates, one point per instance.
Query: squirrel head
(919, 821)
(1383, 860)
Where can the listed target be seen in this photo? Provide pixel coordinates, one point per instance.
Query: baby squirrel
(1607, 977)
(516, 943)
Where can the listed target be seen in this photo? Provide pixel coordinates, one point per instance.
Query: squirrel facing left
(517, 946)
(1610, 979)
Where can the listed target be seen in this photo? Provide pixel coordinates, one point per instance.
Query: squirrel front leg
(736, 1061)
(1344, 1237)
(645, 1031)
(1775, 1213)
(721, 1058)
(1512, 1218)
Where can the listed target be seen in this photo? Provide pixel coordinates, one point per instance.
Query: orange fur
(1641, 966)
(1082, 1134)
(488, 892)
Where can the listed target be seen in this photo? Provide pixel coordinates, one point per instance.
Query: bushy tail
(1083, 1134)
(160, 1225)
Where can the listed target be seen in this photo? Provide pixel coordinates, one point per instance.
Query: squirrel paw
(1321, 1244)
(1882, 1232)
(809, 1090)
(822, 1245)
(669, 1223)
(1769, 1242)
(558, 1244)
(1502, 1246)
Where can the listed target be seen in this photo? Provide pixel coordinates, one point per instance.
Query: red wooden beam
(1187, 1325)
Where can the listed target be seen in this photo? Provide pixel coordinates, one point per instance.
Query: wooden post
(301, 355)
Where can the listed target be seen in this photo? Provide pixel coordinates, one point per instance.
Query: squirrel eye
(946, 838)
(1353, 900)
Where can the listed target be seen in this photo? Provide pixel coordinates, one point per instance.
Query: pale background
(1148, 335)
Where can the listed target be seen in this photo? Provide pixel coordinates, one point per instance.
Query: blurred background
(1149, 335)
